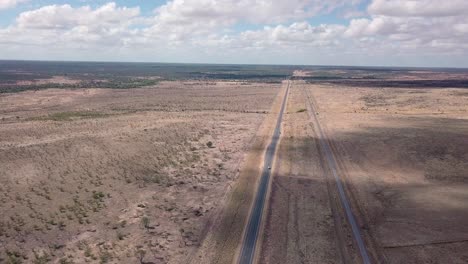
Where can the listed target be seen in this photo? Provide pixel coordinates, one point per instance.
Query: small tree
(145, 221)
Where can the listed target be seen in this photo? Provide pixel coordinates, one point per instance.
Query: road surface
(248, 247)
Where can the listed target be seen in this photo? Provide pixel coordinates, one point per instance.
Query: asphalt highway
(248, 247)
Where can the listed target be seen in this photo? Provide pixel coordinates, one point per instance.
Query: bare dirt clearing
(103, 175)
(404, 155)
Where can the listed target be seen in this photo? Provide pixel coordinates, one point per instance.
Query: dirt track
(403, 154)
(299, 224)
(403, 159)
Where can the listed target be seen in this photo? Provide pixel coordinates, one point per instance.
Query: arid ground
(121, 176)
(402, 154)
(162, 165)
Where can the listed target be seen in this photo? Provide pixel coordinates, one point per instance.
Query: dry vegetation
(160, 173)
(225, 234)
(120, 176)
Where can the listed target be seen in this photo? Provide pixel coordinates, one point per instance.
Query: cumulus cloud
(66, 17)
(305, 33)
(5, 4)
(72, 26)
(298, 36)
(179, 20)
(425, 8)
(255, 11)
(211, 26)
(415, 24)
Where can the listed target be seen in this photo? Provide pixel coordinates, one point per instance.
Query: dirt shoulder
(225, 232)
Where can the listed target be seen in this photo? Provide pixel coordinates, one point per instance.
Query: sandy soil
(301, 73)
(404, 155)
(121, 176)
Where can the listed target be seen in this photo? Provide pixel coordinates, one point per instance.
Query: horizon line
(238, 64)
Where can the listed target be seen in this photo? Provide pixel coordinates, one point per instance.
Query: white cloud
(299, 36)
(184, 12)
(205, 27)
(425, 8)
(305, 33)
(68, 26)
(376, 26)
(65, 17)
(5, 4)
(179, 20)
(416, 25)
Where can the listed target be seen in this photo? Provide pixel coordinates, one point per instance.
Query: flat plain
(98, 175)
(159, 163)
(401, 143)
(404, 155)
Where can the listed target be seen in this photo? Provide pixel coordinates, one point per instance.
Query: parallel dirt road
(309, 217)
(404, 154)
(361, 175)
(312, 217)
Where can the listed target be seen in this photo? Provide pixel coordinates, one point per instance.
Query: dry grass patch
(124, 188)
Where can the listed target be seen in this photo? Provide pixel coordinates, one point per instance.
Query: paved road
(251, 233)
(326, 149)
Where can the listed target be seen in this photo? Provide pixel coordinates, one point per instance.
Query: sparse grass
(66, 261)
(155, 178)
(88, 170)
(98, 195)
(70, 116)
(376, 100)
(104, 257)
(88, 252)
(41, 258)
(13, 257)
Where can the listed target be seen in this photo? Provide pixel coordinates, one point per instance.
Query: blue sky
(334, 32)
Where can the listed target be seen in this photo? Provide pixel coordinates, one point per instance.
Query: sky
(425, 33)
